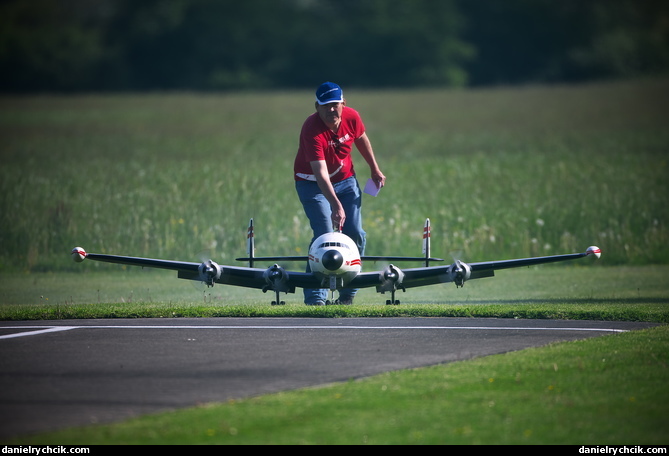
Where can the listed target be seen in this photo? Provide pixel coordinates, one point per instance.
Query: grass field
(639, 293)
(501, 173)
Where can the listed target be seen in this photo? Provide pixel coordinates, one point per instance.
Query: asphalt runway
(57, 374)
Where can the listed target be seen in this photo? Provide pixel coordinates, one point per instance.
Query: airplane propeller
(459, 270)
(276, 277)
(392, 281)
(208, 271)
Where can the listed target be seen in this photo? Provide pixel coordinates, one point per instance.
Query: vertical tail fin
(426, 242)
(250, 243)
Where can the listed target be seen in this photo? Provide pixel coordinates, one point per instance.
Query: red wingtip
(594, 250)
(78, 254)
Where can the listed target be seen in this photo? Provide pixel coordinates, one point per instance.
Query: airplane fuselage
(335, 259)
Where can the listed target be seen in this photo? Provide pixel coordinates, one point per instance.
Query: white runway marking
(48, 329)
(45, 329)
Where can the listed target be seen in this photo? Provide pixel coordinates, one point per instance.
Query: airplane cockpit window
(333, 244)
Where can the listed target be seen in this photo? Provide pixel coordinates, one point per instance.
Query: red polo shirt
(318, 142)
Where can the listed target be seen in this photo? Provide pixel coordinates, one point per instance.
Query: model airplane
(335, 263)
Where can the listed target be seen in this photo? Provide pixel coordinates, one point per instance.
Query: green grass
(610, 390)
(504, 172)
(576, 292)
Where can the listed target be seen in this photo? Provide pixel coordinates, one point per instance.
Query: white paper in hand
(371, 188)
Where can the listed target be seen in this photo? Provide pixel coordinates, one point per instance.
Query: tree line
(130, 45)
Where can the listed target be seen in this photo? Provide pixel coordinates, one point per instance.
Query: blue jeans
(319, 213)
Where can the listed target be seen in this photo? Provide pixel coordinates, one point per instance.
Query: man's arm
(365, 148)
(323, 180)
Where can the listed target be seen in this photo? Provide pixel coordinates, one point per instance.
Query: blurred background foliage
(129, 45)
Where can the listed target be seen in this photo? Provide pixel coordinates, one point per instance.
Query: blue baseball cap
(329, 92)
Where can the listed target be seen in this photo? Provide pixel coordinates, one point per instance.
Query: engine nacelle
(276, 278)
(391, 279)
(209, 272)
(460, 272)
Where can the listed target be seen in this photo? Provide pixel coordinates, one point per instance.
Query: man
(324, 176)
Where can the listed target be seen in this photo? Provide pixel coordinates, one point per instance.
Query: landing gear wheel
(278, 301)
(392, 301)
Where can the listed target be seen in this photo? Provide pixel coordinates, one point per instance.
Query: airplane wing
(393, 278)
(278, 280)
(210, 272)
(245, 276)
(135, 261)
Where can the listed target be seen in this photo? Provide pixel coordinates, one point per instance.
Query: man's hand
(378, 178)
(323, 180)
(338, 219)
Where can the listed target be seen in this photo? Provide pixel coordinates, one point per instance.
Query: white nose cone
(78, 254)
(334, 253)
(594, 250)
